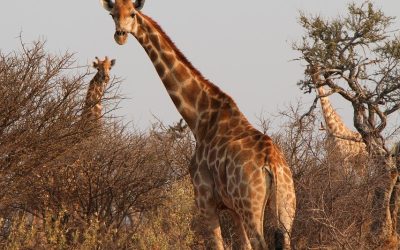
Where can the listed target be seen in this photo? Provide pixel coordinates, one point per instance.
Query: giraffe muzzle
(120, 37)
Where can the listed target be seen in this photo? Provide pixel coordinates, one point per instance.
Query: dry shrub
(59, 179)
(333, 196)
(169, 226)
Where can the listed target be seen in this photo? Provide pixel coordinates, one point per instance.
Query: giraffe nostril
(120, 33)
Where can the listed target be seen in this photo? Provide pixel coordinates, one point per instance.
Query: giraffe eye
(133, 15)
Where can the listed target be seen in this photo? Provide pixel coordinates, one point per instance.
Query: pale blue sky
(242, 46)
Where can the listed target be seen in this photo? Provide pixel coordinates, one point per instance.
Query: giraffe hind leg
(254, 231)
(286, 211)
(240, 231)
(252, 208)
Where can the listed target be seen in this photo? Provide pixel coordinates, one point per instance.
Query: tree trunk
(385, 205)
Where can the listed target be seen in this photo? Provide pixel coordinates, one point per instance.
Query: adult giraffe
(346, 143)
(234, 165)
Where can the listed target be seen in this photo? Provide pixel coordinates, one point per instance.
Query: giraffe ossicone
(234, 166)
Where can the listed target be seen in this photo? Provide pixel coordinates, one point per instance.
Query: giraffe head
(103, 66)
(123, 12)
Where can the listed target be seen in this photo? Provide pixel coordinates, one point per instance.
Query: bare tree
(358, 57)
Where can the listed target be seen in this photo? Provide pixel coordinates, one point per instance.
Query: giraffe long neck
(197, 99)
(92, 109)
(334, 123)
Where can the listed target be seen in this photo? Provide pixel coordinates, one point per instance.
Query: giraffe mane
(183, 59)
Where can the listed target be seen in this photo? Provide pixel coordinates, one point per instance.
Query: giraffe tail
(272, 200)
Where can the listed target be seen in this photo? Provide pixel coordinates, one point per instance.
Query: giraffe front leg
(203, 185)
(209, 216)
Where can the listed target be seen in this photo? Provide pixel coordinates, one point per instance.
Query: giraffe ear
(112, 62)
(139, 4)
(95, 64)
(107, 4)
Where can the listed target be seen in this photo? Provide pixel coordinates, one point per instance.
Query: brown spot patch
(181, 73)
(139, 33)
(167, 59)
(193, 88)
(287, 179)
(212, 156)
(203, 102)
(221, 153)
(246, 204)
(230, 169)
(245, 155)
(215, 103)
(177, 101)
(200, 152)
(287, 171)
(224, 116)
(203, 190)
(160, 70)
(153, 56)
(234, 122)
(155, 41)
(213, 119)
(260, 189)
(169, 82)
(257, 179)
(243, 189)
(196, 179)
(236, 192)
(188, 97)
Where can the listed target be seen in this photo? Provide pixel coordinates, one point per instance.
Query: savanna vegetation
(64, 187)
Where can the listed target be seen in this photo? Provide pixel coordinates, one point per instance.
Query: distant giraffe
(234, 166)
(92, 110)
(346, 142)
(91, 114)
